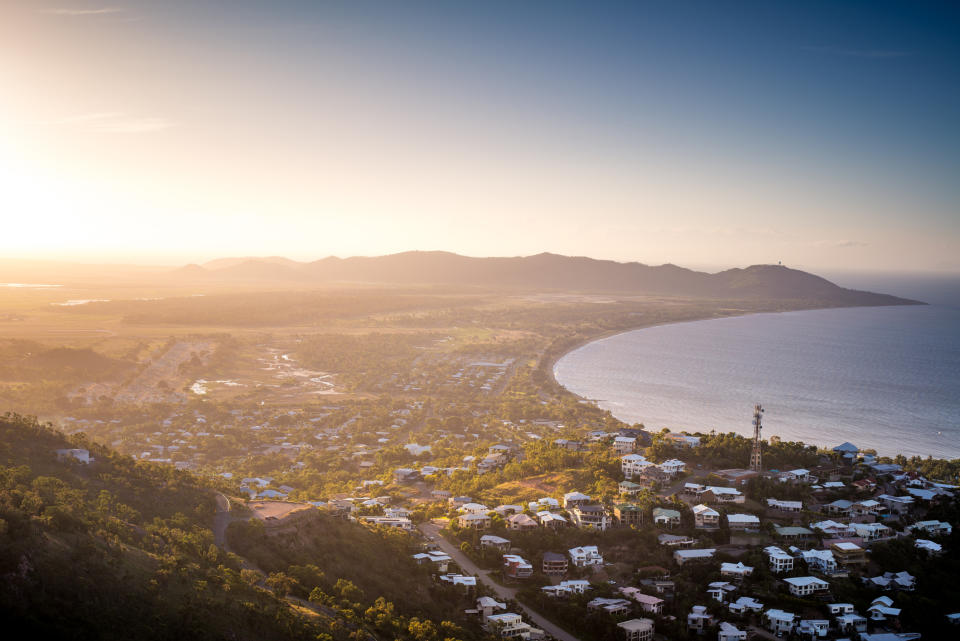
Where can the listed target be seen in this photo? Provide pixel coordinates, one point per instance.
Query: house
(614, 607)
(881, 609)
(624, 444)
(386, 521)
(848, 554)
(628, 514)
(566, 588)
(839, 507)
(718, 590)
(459, 579)
(705, 518)
(716, 494)
(662, 517)
(780, 561)
(494, 542)
(834, 529)
(744, 603)
(458, 501)
(847, 449)
(405, 475)
(851, 622)
(896, 504)
(551, 520)
(592, 517)
(554, 564)
(651, 604)
(511, 626)
(737, 476)
(632, 464)
(932, 528)
(929, 546)
(806, 585)
(629, 488)
(779, 622)
(785, 506)
(571, 499)
(743, 522)
(793, 533)
(673, 467)
(683, 440)
(544, 503)
(686, 556)
(521, 522)
(738, 569)
(585, 555)
(797, 476)
(892, 581)
(508, 510)
(76, 454)
(813, 628)
(637, 629)
(699, 619)
(675, 541)
(821, 561)
(439, 559)
(730, 632)
(872, 531)
(473, 508)
(474, 521)
(516, 567)
(486, 606)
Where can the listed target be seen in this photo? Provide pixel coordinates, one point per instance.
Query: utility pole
(756, 462)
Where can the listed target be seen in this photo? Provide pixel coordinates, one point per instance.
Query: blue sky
(825, 135)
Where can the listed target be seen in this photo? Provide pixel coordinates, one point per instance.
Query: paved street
(503, 592)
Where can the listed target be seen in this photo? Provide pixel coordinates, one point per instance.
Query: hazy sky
(825, 135)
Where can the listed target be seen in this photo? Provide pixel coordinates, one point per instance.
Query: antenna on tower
(756, 462)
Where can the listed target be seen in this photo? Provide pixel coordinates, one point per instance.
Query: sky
(825, 135)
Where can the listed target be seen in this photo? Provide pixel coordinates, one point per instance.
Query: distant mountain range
(541, 272)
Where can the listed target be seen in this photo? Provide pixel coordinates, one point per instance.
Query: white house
(718, 590)
(685, 556)
(648, 603)
(806, 585)
(745, 603)
(834, 529)
(699, 619)
(683, 440)
(779, 622)
(571, 499)
(663, 517)
(872, 531)
(585, 555)
(510, 626)
(813, 628)
(738, 569)
(673, 466)
(474, 521)
(730, 632)
(637, 629)
(591, 517)
(785, 506)
(705, 517)
(821, 561)
(624, 444)
(473, 508)
(780, 561)
(932, 528)
(631, 464)
(799, 475)
(743, 522)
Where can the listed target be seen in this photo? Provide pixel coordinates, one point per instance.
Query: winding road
(432, 530)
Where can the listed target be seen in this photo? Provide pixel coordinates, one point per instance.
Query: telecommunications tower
(755, 461)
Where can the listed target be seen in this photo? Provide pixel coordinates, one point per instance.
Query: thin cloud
(870, 54)
(82, 12)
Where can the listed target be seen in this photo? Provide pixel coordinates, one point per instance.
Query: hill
(545, 272)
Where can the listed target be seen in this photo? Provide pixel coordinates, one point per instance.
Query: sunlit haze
(823, 135)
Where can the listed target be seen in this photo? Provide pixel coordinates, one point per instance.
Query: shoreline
(612, 333)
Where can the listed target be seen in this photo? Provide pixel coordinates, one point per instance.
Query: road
(433, 530)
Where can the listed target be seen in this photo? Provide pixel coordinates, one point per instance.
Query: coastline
(883, 448)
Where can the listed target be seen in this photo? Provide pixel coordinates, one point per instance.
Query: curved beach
(884, 378)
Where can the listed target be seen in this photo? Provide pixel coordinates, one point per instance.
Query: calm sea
(886, 378)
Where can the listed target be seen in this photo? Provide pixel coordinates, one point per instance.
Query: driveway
(433, 530)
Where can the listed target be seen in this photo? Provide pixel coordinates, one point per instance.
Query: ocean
(886, 378)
